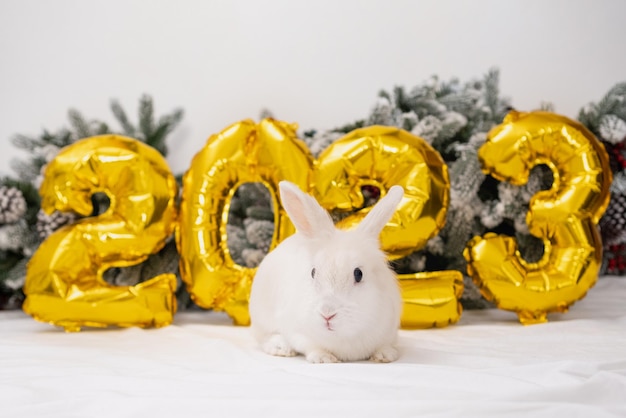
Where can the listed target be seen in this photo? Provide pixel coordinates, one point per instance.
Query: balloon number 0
(244, 152)
(64, 285)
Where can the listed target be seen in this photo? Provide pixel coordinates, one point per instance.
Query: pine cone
(613, 223)
(47, 224)
(617, 155)
(615, 256)
(12, 205)
(371, 194)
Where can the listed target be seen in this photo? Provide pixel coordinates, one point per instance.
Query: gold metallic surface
(431, 299)
(565, 217)
(244, 152)
(383, 156)
(64, 283)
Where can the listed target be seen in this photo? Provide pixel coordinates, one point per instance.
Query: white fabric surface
(487, 365)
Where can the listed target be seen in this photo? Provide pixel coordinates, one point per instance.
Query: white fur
(288, 305)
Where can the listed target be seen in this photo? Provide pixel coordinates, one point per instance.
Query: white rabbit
(328, 293)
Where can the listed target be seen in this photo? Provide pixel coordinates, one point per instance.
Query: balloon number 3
(64, 281)
(564, 217)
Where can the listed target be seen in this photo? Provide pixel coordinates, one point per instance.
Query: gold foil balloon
(564, 217)
(382, 156)
(431, 299)
(64, 283)
(267, 152)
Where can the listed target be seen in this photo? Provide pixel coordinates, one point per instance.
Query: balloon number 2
(64, 279)
(382, 156)
(64, 284)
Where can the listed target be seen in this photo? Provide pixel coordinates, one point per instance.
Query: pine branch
(122, 118)
(165, 125)
(344, 129)
(618, 101)
(8, 262)
(613, 103)
(401, 100)
(384, 94)
(449, 88)
(426, 106)
(101, 129)
(153, 134)
(266, 114)
(13, 274)
(61, 139)
(492, 91)
(462, 103)
(146, 118)
(28, 171)
(26, 143)
(157, 140)
(78, 122)
(172, 120)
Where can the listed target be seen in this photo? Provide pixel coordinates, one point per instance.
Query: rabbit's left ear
(306, 214)
(382, 212)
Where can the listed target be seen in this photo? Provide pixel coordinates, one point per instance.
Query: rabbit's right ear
(306, 214)
(382, 212)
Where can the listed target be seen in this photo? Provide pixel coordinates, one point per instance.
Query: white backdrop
(319, 63)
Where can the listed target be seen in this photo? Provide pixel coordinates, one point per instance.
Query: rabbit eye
(358, 275)
(313, 273)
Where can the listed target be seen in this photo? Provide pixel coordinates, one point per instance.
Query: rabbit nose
(328, 317)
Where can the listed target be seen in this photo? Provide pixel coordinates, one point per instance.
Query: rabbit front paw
(276, 345)
(385, 354)
(321, 356)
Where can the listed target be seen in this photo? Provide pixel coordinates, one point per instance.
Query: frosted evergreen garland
(453, 117)
(607, 120)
